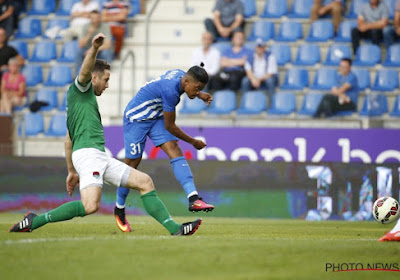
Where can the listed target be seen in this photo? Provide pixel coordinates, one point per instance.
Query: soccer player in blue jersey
(152, 113)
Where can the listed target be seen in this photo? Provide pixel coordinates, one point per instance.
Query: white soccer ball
(385, 210)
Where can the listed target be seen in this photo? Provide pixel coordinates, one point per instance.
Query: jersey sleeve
(80, 87)
(170, 99)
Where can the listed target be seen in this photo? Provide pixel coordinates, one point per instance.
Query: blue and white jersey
(161, 94)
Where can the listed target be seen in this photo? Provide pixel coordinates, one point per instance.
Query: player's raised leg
(393, 235)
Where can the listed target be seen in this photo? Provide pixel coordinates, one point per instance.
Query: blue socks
(122, 193)
(184, 175)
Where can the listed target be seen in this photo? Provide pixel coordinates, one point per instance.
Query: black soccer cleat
(188, 228)
(121, 220)
(200, 205)
(25, 225)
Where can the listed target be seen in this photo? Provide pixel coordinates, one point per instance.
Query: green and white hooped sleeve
(82, 88)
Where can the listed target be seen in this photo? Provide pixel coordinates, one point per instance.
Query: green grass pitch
(223, 248)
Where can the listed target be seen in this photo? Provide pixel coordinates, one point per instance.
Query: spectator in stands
(115, 13)
(209, 55)
(6, 16)
(391, 34)
(261, 70)
(13, 87)
(228, 18)
(324, 7)
(80, 16)
(371, 21)
(7, 52)
(341, 98)
(232, 63)
(85, 39)
(19, 7)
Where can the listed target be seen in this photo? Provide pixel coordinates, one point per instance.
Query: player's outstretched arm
(73, 177)
(85, 75)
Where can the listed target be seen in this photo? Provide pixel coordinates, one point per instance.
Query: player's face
(193, 88)
(100, 82)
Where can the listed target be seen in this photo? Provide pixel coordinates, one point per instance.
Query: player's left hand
(71, 182)
(198, 144)
(206, 97)
(98, 40)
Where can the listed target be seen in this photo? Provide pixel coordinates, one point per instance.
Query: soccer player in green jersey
(87, 162)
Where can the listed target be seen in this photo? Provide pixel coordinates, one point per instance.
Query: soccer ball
(385, 210)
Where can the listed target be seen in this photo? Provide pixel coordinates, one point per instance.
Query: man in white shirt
(261, 71)
(207, 54)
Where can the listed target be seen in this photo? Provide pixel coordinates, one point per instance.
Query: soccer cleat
(188, 228)
(121, 220)
(25, 224)
(390, 236)
(200, 205)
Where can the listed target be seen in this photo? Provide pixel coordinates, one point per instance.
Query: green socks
(156, 208)
(65, 212)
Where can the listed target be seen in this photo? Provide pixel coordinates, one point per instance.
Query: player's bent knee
(91, 207)
(139, 181)
(147, 184)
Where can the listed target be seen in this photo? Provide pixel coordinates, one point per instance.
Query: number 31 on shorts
(135, 149)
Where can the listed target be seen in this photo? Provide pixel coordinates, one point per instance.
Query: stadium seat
(222, 46)
(344, 31)
(42, 7)
(68, 52)
(249, 8)
(33, 74)
(252, 103)
(307, 54)
(289, 31)
(34, 124)
(396, 107)
(393, 56)
(295, 79)
(195, 106)
(64, 9)
(224, 102)
(20, 46)
(28, 28)
(58, 125)
(274, 9)
(374, 105)
(49, 96)
(367, 55)
(355, 8)
(281, 52)
(320, 31)
(44, 51)
(363, 77)
(391, 5)
(301, 9)
(56, 22)
(310, 104)
(63, 106)
(336, 52)
(325, 79)
(134, 8)
(386, 80)
(282, 104)
(261, 29)
(59, 75)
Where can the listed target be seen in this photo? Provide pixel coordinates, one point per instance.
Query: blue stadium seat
(58, 125)
(393, 56)
(310, 104)
(386, 80)
(396, 107)
(261, 29)
(301, 9)
(33, 74)
(336, 52)
(289, 31)
(224, 102)
(307, 54)
(44, 51)
(282, 104)
(28, 28)
(63, 106)
(367, 55)
(59, 76)
(134, 8)
(320, 31)
(252, 103)
(295, 79)
(325, 79)
(64, 9)
(249, 8)
(20, 46)
(374, 105)
(34, 124)
(61, 23)
(274, 9)
(42, 7)
(222, 46)
(68, 52)
(49, 96)
(391, 5)
(355, 8)
(363, 77)
(344, 31)
(195, 106)
(281, 52)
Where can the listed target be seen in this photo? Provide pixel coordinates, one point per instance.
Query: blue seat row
(34, 124)
(59, 75)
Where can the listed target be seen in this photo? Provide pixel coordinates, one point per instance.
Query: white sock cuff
(193, 193)
(119, 206)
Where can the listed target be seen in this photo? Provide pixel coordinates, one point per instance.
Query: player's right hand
(71, 181)
(198, 144)
(98, 40)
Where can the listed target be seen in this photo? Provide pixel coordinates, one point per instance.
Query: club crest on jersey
(96, 174)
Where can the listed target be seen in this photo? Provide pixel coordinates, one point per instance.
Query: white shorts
(95, 167)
